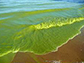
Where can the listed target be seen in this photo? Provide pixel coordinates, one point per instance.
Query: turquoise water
(7, 6)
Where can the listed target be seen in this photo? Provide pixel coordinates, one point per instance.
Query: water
(7, 6)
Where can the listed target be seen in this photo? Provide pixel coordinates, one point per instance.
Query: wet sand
(71, 52)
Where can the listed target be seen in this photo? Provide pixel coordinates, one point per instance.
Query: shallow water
(72, 51)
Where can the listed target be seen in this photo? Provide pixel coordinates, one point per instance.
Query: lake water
(7, 6)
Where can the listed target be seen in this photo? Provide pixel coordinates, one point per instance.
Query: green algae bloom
(39, 31)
